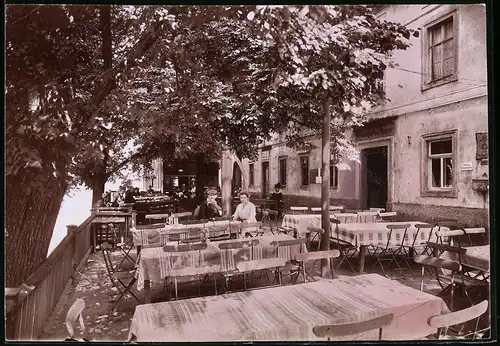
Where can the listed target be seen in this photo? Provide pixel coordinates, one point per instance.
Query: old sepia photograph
(246, 173)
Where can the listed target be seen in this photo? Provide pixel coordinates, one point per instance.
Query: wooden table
(362, 235)
(289, 313)
(156, 264)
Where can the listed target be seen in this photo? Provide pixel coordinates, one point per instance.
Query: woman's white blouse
(246, 213)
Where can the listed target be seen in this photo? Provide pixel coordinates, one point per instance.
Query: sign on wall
(481, 146)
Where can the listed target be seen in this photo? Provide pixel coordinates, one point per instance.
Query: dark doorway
(376, 177)
(265, 179)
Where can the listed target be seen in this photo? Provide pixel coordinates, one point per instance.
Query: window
(440, 154)
(251, 170)
(440, 52)
(304, 170)
(282, 171)
(441, 164)
(334, 176)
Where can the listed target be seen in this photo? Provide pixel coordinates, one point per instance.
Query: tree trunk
(201, 170)
(29, 225)
(227, 174)
(325, 186)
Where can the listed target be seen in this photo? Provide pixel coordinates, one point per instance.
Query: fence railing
(35, 301)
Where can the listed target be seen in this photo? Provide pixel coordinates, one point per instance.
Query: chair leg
(422, 279)
(129, 287)
(176, 292)
(245, 281)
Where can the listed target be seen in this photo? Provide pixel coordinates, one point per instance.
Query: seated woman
(245, 211)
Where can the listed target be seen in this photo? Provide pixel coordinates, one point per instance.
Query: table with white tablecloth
(159, 236)
(289, 313)
(155, 264)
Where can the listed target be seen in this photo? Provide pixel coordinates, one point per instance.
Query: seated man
(209, 207)
(278, 197)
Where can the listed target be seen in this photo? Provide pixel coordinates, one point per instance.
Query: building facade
(424, 153)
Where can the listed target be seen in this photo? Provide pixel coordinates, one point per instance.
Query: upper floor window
(334, 176)
(282, 171)
(440, 165)
(440, 51)
(304, 170)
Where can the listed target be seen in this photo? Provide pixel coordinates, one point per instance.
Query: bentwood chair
(187, 275)
(304, 258)
(228, 247)
(445, 321)
(333, 331)
(75, 313)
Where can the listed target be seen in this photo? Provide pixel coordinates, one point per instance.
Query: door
(265, 179)
(376, 177)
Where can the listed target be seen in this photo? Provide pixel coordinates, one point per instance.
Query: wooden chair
(347, 250)
(389, 216)
(192, 235)
(251, 229)
(316, 233)
(292, 266)
(443, 322)
(377, 210)
(187, 275)
(473, 231)
(260, 265)
(353, 328)
(447, 281)
(451, 237)
(117, 275)
(390, 252)
(226, 247)
(420, 247)
(75, 313)
(298, 210)
(367, 216)
(314, 256)
(182, 215)
(270, 222)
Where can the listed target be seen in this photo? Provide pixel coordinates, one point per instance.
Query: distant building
(425, 152)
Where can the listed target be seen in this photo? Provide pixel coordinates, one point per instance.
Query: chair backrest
(315, 255)
(316, 209)
(238, 244)
(436, 262)
(476, 230)
(185, 247)
(353, 328)
(318, 230)
(378, 210)
(288, 242)
(458, 317)
(260, 264)
(438, 249)
(449, 236)
(74, 313)
(387, 214)
(336, 207)
(184, 214)
(392, 227)
(367, 216)
(153, 226)
(447, 222)
(299, 209)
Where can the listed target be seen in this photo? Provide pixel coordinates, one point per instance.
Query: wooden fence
(40, 293)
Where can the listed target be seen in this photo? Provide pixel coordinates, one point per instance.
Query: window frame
(306, 156)
(427, 190)
(251, 174)
(427, 82)
(334, 173)
(281, 159)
